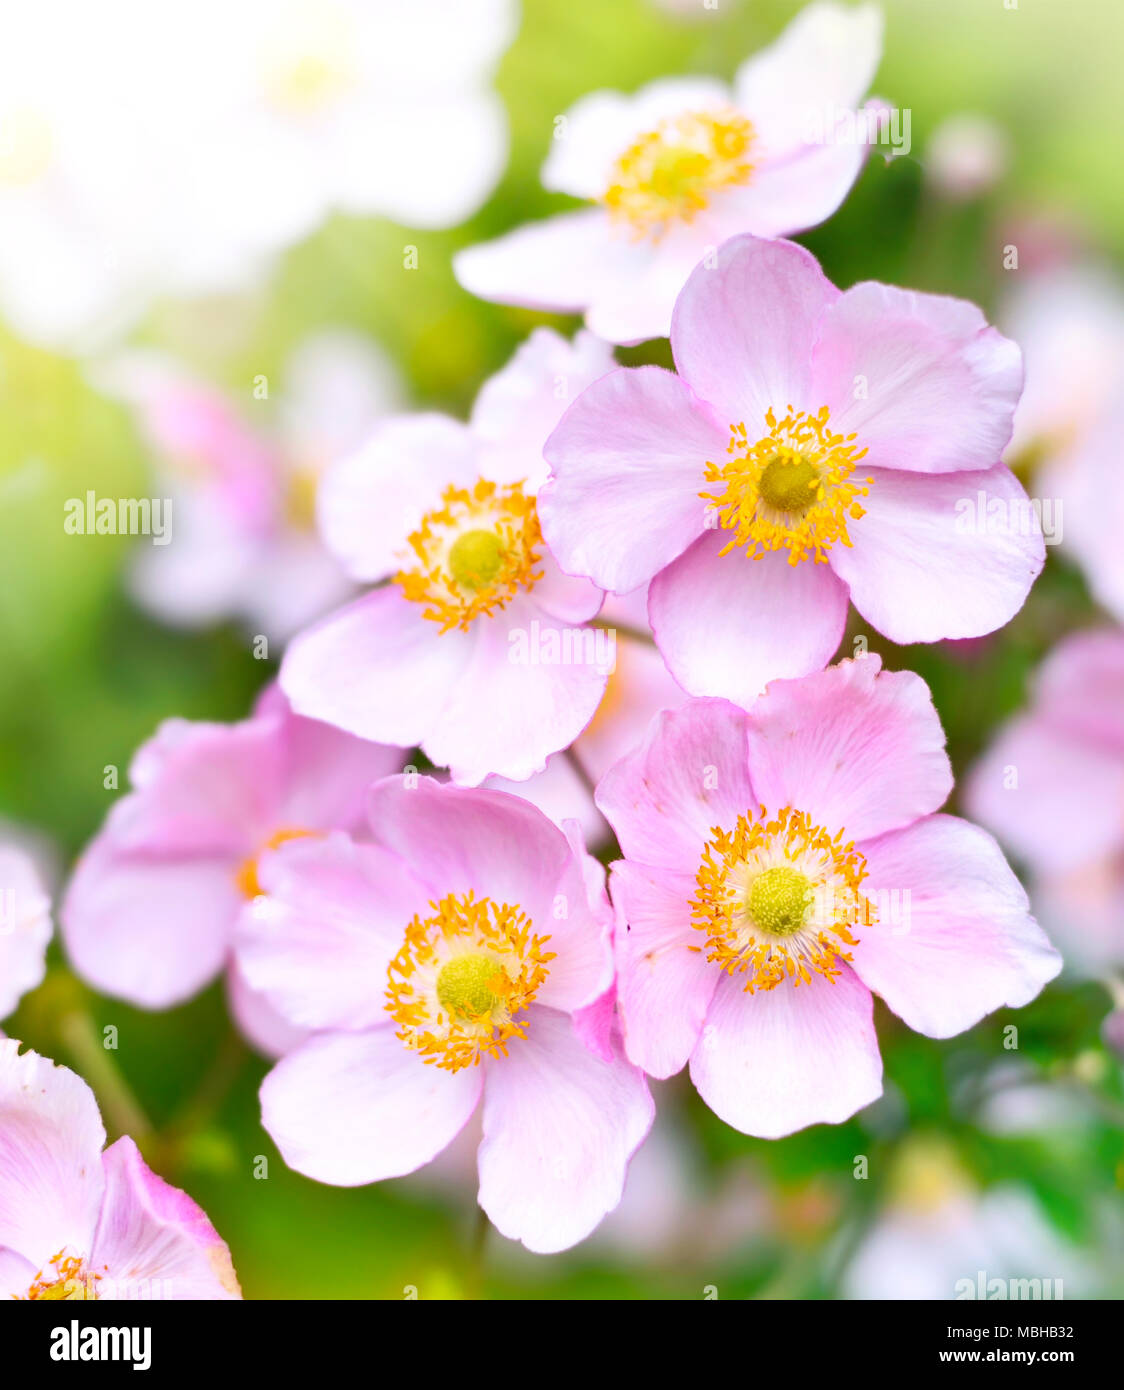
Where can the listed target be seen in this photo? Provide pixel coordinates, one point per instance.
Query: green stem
(96, 1065)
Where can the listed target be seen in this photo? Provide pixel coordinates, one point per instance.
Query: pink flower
(25, 926)
(683, 165)
(242, 482)
(1051, 787)
(150, 910)
(782, 865)
(478, 650)
(79, 1221)
(847, 443)
(463, 958)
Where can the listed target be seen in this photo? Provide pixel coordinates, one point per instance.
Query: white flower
(683, 165)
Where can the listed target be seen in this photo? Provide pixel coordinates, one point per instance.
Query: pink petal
(775, 1061)
(859, 749)
(25, 926)
(326, 773)
(938, 386)
(152, 1240)
(377, 669)
(153, 930)
(560, 793)
(531, 687)
(258, 1021)
(518, 407)
(664, 986)
(743, 330)
(560, 1126)
(369, 501)
(727, 624)
(628, 461)
(354, 1108)
(1053, 795)
(51, 1137)
(689, 775)
(924, 567)
(318, 943)
(639, 687)
(956, 939)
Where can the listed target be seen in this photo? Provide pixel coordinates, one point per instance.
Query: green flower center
(779, 899)
(470, 986)
(475, 559)
(789, 483)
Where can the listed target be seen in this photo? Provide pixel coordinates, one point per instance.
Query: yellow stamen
(69, 1282)
(474, 553)
(777, 899)
(464, 976)
(790, 490)
(670, 173)
(247, 877)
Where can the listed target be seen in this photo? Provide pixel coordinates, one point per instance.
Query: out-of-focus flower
(25, 926)
(942, 1238)
(146, 150)
(461, 958)
(814, 446)
(1070, 324)
(150, 910)
(479, 649)
(80, 1221)
(242, 538)
(1051, 787)
(966, 156)
(783, 865)
(681, 166)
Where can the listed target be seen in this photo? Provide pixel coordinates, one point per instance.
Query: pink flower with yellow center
(477, 648)
(150, 910)
(80, 1221)
(461, 960)
(782, 866)
(681, 166)
(814, 447)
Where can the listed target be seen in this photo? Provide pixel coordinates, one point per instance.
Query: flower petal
(560, 1126)
(377, 669)
(152, 1240)
(955, 939)
(743, 330)
(727, 624)
(628, 462)
(663, 987)
(25, 926)
(941, 555)
(938, 385)
(318, 942)
(775, 1061)
(51, 1137)
(369, 501)
(354, 1108)
(689, 775)
(857, 748)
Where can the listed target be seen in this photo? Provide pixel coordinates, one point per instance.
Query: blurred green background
(86, 677)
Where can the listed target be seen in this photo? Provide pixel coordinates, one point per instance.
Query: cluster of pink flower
(412, 947)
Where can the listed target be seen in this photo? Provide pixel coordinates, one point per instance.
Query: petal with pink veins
(955, 939)
(560, 1126)
(728, 624)
(857, 748)
(152, 1240)
(628, 461)
(941, 556)
(354, 1108)
(778, 1060)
